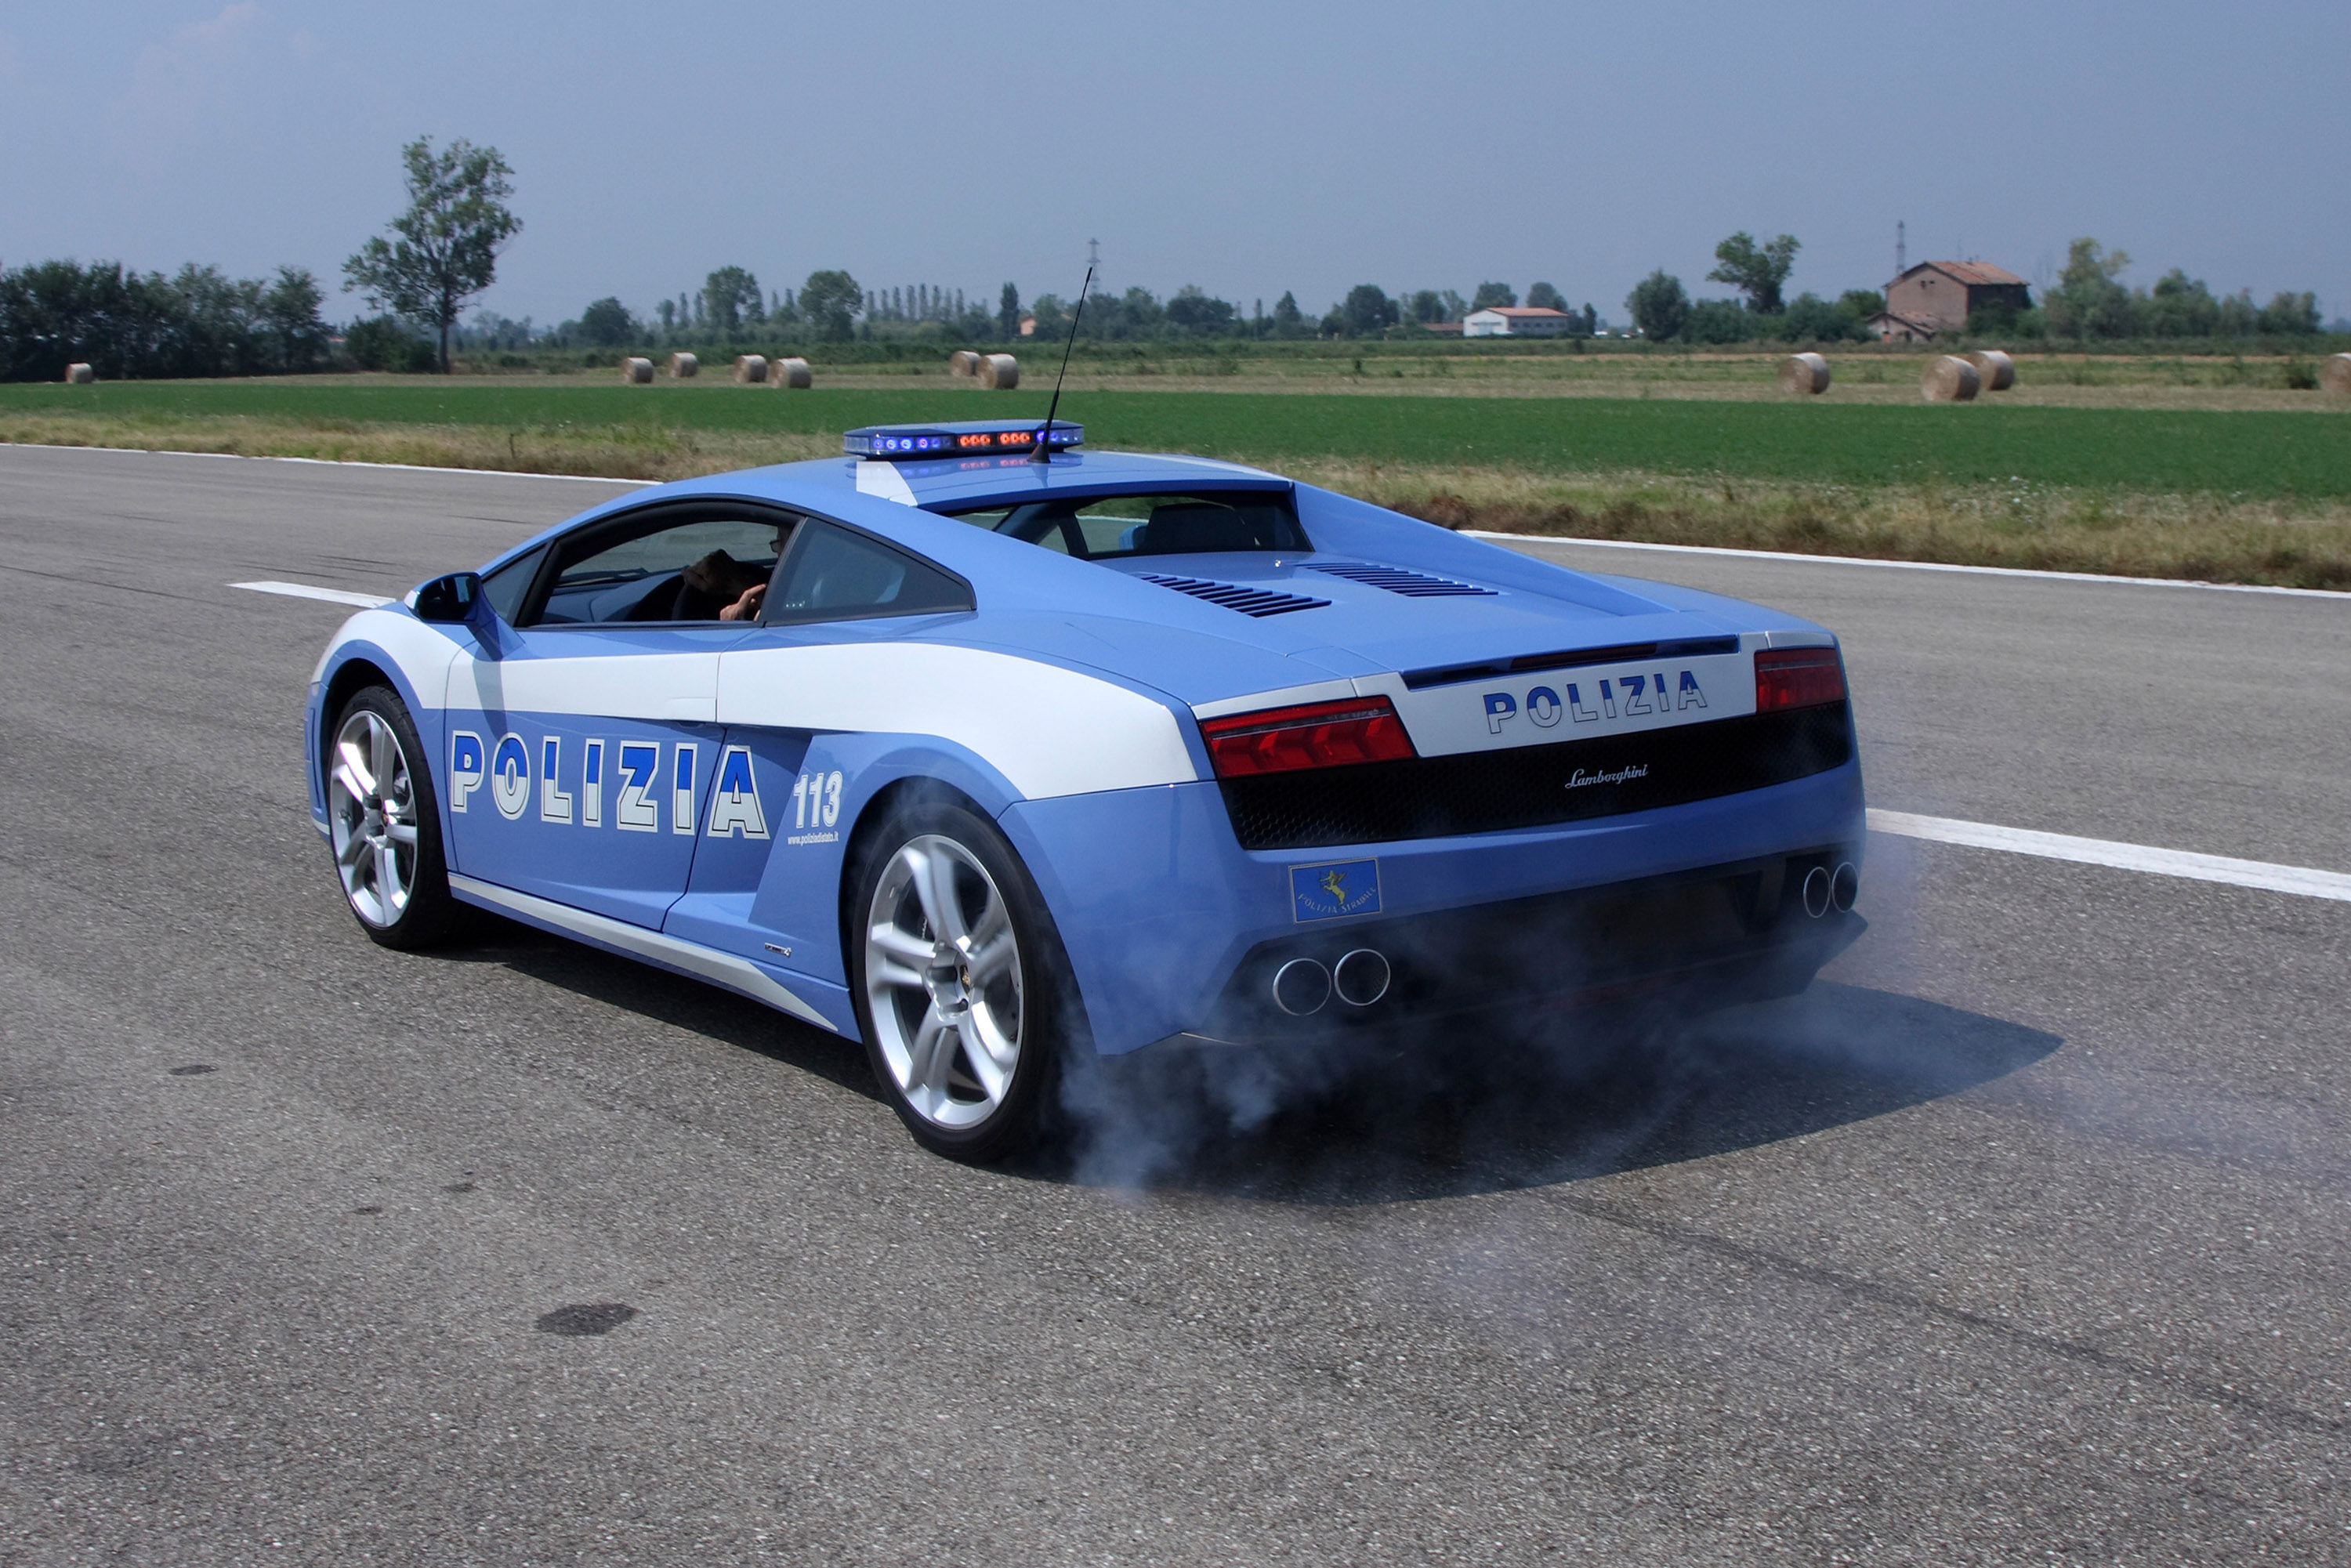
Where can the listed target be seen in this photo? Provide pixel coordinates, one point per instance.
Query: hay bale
(963, 363)
(750, 369)
(683, 366)
(1997, 369)
(80, 374)
(789, 374)
(2335, 373)
(1804, 373)
(637, 373)
(1949, 379)
(999, 372)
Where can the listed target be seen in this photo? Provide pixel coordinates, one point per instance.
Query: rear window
(1113, 528)
(833, 574)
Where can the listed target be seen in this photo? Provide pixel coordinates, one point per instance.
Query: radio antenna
(1045, 437)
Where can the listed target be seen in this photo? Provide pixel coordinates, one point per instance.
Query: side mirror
(448, 599)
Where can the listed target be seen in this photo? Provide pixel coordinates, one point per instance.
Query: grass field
(2251, 495)
(2252, 453)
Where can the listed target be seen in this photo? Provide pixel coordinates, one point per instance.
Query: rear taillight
(1797, 677)
(1316, 734)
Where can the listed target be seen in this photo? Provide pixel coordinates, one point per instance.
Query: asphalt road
(2022, 1237)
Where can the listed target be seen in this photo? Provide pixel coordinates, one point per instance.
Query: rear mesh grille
(1491, 791)
(1258, 601)
(1396, 580)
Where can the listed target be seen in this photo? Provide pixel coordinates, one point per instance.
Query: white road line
(326, 462)
(1910, 565)
(305, 591)
(2261, 874)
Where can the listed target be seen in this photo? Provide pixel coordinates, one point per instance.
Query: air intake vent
(1257, 601)
(1396, 580)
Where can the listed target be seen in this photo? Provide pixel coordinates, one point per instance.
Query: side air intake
(1258, 601)
(1396, 580)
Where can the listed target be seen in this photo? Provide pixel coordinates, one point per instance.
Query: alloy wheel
(943, 982)
(371, 804)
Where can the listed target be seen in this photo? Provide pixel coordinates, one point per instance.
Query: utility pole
(1094, 258)
(1901, 248)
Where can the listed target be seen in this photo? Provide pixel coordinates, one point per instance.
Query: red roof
(1976, 272)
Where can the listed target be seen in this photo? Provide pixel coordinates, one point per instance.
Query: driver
(739, 589)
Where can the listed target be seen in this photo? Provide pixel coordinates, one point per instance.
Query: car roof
(970, 481)
(883, 495)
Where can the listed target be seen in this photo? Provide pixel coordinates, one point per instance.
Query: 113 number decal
(816, 799)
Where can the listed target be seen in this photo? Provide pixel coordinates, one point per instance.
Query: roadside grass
(2252, 496)
(2044, 527)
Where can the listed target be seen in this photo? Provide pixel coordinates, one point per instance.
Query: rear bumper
(1710, 936)
(1168, 921)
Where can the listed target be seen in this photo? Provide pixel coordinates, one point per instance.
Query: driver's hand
(748, 607)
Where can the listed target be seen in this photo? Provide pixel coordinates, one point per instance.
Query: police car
(984, 750)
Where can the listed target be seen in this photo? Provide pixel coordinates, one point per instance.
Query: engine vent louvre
(1396, 580)
(1258, 601)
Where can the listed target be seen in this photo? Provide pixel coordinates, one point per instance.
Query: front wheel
(385, 825)
(960, 981)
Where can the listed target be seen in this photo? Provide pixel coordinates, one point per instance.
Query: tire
(964, 1028)
(384, 822)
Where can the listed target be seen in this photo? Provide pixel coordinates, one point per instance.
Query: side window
(697, 564)
(836, 575)
(508, 587)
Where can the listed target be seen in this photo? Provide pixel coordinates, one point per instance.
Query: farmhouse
(1938, 296)
(1517, 321)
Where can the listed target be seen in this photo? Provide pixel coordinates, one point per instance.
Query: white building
(1518, 321)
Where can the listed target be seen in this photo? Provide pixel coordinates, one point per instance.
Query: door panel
(579, 763)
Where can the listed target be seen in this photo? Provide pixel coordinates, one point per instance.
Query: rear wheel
(960, 983)
(385, 824)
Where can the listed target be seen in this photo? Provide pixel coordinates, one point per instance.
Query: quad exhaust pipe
(1359, 978)
(1825, 890)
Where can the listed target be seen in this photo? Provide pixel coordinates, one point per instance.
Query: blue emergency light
(978, 437)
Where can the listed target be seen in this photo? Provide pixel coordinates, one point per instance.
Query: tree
(1202, 314)
(1008, 313)
(445, 248)
(385, 343)
(1367, 311)
(1289, 320)
(2291, 315)
(608, 322)
(1137, 313)
(1490, 294)
(2089, 300)
(1811, 318)
(1543, 296)
(290, 308)
(830, 300)
(730, 297)
(1658, 305)
(1721, 321)
(1756, 271)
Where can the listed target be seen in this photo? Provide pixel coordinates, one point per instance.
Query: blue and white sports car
(984, 756)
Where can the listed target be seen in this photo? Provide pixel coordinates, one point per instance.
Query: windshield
(1110, 528)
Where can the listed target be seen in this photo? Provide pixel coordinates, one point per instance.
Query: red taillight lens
(1797, 677)
(1318, 735)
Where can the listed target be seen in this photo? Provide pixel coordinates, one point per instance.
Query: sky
(1249, 148)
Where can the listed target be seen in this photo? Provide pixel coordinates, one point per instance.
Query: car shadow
(1449, 1116)
(656, 994)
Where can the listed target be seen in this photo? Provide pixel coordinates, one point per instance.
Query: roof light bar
(895, 442)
